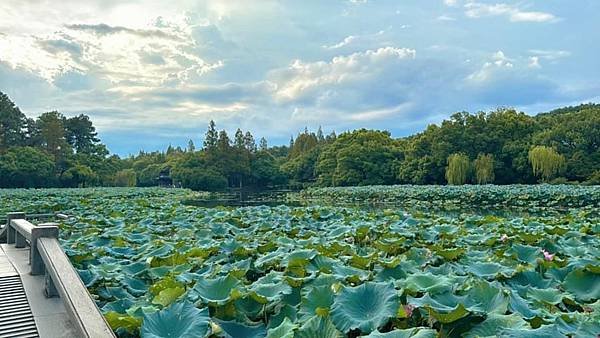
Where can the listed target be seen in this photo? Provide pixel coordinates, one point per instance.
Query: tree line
(500, 147)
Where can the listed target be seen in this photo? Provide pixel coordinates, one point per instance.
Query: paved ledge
(49, 314)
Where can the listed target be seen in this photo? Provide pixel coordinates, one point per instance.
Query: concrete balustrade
(46, 257)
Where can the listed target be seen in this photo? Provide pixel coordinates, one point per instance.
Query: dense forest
(501, 147)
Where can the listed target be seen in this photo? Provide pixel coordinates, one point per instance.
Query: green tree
(457, 172)
(81, 134)
(546, 162)
(249, 142)
(53, 133)
(361, 157)
(238, 141)
(26, 167)
(265, 171)
(263, 146)
(484, 168)
(125, 178)
(320, 136)
(148, 176)
(191, 147)
(12, 124)
(304, 143)
(78, 176)
(195, 171)
(200, 179)
(211, 137)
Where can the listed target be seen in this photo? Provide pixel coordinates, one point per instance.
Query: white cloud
(479, 10)
(446, 18)
(347, 40)
(450, 2)
(550, 55)
(361, 41)
(149, 56)
(498, 63)
(301, 80)
(534, 62)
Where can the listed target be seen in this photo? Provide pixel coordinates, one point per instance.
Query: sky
(154, 73)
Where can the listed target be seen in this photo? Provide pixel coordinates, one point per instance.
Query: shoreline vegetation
(498, 147)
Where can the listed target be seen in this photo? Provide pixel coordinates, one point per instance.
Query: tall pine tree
(211, 138)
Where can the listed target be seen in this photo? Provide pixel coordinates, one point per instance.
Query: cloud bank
(163, 70)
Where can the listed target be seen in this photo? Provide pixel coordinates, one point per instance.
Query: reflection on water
(273, 199)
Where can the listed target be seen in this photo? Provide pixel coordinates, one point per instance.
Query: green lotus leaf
(165, 283)
(300, 257)
(317, 301)
(160, 272)
(445, 307)
(284, 330)
(545, 331)
(486, 298)
(285, 311)
(485, 270)
(88, 277)
(218, 290)
(414, 332)
(526, 253)
(270, 288)
(180, 320)
(318, 327)
(119, 306)
(112, 292)
(134, 268)
(321, 263)
(530, 278)
(585, 285)
(449, 254)
(494, 323)
(270, 259)
(546, 296)
(344, 272)
(390, 274)
(365, 307)
(136, 287)
(427, 282)
(588, 329)
(122, 321)
(232, 329)
(448, 317)
(519, 305)
(168, 296)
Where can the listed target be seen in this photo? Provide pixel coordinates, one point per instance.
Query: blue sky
(151, 73)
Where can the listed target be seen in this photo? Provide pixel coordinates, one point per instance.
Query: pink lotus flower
(547, 256)
(503, 238)
(409, 308)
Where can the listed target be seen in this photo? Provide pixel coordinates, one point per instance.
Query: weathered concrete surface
(49, 314)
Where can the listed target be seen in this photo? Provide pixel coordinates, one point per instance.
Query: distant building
(164, 179)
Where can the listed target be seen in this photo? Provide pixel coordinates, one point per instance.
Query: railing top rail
(23, 227)
(83, 310)
(58, 215)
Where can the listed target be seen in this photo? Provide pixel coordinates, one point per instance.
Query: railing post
(49, 287)
(42, 230)
(11, 233)
(20, 240)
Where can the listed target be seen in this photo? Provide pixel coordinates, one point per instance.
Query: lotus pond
(160, 268)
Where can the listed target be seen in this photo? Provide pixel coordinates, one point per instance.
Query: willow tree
(458, 168)
(484, 168)
(546, 162)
